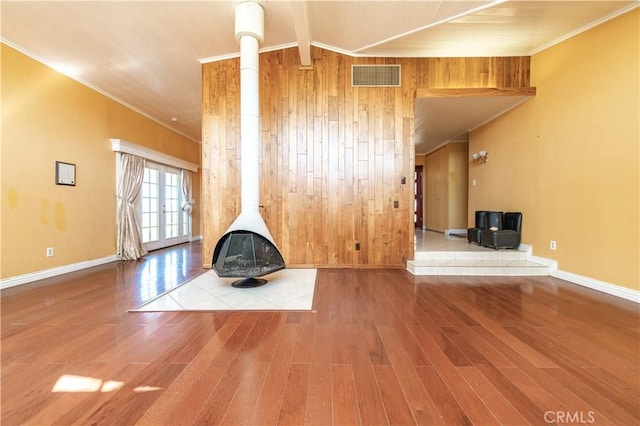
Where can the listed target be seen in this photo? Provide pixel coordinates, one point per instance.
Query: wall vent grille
(375, 75)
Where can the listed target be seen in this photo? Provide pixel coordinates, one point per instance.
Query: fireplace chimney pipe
(249, 32)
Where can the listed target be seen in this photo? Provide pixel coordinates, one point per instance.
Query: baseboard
(604, 287)
(552, 264)
(52, 272)
(455, 231)
(195, 238)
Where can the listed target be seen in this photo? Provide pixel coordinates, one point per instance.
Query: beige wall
(435, 190)
(457, 189)
(47, 117)
(446, 187)
(568, 159)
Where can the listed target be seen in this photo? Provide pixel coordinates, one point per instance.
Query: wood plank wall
(332, 155)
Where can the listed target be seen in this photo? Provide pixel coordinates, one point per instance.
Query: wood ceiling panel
(515, 28)
(357, 25)
(146, 54)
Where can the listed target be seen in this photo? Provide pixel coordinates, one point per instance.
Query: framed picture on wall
(65, 173)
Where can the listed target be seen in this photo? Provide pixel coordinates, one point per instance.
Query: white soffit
(440, 120)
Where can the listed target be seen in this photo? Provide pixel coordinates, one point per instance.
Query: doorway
(163, 221)
(417, 195)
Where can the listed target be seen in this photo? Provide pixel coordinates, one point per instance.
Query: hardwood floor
(383, 347)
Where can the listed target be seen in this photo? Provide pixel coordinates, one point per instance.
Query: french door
(163, 221)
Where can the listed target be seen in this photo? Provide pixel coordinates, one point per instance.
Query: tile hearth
(288, 289)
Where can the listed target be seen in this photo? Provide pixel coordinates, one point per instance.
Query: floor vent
(375, 75)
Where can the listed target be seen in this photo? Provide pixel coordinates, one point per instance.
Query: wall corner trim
(121, 145)
(52, 272)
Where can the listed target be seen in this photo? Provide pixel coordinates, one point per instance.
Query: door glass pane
(150, 203)
(172, 204)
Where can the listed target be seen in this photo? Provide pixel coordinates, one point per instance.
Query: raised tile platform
(439, 254)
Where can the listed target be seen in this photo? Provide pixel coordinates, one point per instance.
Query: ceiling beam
(301, 25)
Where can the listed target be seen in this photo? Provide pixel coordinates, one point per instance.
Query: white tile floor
(288, 289)
(437, 241)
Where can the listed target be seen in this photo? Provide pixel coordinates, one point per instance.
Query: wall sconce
(480, 157)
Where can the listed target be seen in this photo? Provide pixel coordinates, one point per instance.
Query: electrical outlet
(552, 244)
(357, 245)
(49, 251)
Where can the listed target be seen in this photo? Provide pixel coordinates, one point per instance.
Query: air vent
(375, 75)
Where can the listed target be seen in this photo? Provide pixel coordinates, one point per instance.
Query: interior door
(417, 206)
(160, 209)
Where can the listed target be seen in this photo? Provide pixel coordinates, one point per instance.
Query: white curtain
(131, 174)
(187, 205)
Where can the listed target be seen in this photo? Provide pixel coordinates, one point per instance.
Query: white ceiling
(148, 54)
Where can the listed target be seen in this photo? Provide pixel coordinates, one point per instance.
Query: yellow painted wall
(568, 159)
(47, 117)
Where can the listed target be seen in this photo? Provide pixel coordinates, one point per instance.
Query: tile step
(471, 255)
(480, 267)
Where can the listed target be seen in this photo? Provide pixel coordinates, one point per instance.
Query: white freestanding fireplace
(247, 249)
